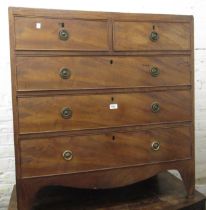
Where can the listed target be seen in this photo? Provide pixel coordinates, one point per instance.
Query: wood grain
(99, 179)
(109, 55)
(43, 114)
(68, 14)
(112, 150)
(158, 192)
(87, 35)
(136, 36)
(94, 72)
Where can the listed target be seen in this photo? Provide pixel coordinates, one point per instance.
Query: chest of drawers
(100, 100)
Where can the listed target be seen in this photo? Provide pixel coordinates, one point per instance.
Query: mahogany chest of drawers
(100, 100)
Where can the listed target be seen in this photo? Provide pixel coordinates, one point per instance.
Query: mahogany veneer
(100, 100)
(158, 192)
(41, 73)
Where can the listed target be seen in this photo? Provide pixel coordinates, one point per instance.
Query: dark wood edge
(199, 206)
(109, 34)
(156, 168)
(104, 91)
(39, 53)
(193, 95)
(112, 168)
(120, 129)
(15, 104)
(14, 86)
(52, 13)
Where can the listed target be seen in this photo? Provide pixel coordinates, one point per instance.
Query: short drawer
(59, 34)
(79, 112)
(151, 36)
(70, 73)
(59, 155)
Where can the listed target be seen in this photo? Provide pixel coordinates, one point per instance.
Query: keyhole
(153, 27)
(113, 138)
(112, 98)
(111, 61)
(62, 25)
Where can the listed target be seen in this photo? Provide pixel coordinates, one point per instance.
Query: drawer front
(82, 153)
(58, 34)
(67, 113)
(53, 73)
(151, 36)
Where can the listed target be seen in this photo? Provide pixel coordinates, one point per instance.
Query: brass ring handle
(63, 35)
(66, 113)
(154, 36)
(155, 145)
(67, 155)
(155, 107)
(65, 73)
(154, 71)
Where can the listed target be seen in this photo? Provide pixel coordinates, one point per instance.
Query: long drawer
(77, 112)
(151, 36)
(53, 73)
(59, 34)
(58, 155)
